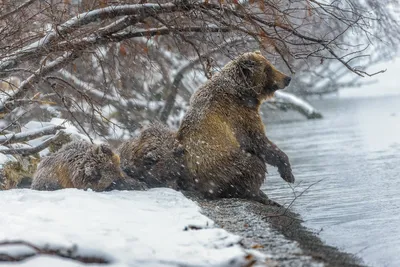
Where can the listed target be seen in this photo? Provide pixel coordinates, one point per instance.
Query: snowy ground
(128, 228)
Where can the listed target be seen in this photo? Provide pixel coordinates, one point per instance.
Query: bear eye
(248, 64)
(268, 68)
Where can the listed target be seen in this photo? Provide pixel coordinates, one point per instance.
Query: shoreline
(265, 229)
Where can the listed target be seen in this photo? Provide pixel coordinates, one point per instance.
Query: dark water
(352, 160)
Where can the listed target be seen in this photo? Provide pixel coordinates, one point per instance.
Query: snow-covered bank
(128, 228)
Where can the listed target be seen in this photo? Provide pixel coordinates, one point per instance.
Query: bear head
(257, 77)
(102, 168)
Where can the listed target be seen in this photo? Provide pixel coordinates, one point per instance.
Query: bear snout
(281, 80)
(287, 80)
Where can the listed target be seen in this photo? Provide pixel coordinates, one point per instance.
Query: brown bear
(81, 165)
(226, 149)
(221, 142)
(154, 157)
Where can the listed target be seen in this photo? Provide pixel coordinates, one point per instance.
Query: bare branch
(118, 37)
(83, 19)
(30, 150)
(29, 135)
(125, 83)
(16, 10)
(173, 90)
(9, 104)
(164, 31)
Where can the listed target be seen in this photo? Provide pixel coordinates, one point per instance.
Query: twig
(294, 199)
(12, 12)
(58, 63)
(173, 90)
(13, 122)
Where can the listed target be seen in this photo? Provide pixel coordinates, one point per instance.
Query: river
(351, 160)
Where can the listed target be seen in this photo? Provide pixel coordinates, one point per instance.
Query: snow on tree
(109, 67)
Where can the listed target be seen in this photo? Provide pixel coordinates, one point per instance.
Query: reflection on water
(355, 154)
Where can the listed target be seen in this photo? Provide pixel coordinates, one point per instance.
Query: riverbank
(159, 227)
(273, 231)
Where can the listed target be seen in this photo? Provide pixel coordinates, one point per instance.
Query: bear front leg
(256, 143)
(275, 157)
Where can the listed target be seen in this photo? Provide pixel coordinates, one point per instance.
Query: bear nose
(287, 80)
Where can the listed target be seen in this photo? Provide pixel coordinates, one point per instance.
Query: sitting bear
(154, 157)
(221, 142)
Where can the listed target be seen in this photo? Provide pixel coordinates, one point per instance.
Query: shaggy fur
(221, 142)
(80, 165)
(154, 157)
(222, 133)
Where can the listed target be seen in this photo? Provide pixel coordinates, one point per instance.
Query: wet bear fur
(81, 165)
(221, 142)
(154, 157)
(223, 136)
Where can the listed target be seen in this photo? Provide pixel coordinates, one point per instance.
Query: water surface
(352, 160)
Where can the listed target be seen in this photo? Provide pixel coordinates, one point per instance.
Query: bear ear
(246, 66)
(103, 149)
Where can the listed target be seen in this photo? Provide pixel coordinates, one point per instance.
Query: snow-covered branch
(30, 150)
(290, 101)
(52, 37)
(118, 37)
(29, 135)
(80, 20)
(131, 59)
(166, 30)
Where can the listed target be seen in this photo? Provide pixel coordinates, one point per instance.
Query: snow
(297, 104)
(129, 228)
(5, 158)
(286, 97)
(25, 134)
(69, 129)
(39, 126)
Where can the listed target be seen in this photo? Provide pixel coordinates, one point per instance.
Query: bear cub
(81, 165)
